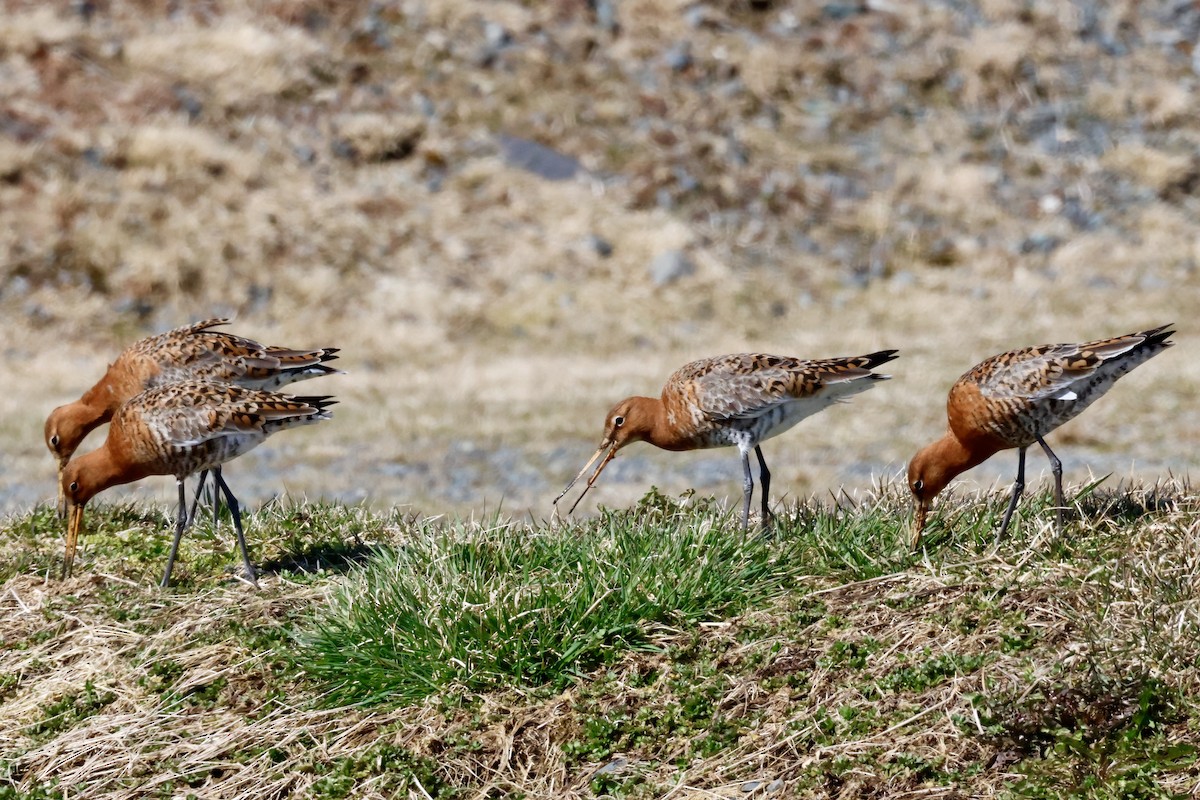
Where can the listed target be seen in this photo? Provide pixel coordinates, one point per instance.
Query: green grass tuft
(624, 655)
(502, 604)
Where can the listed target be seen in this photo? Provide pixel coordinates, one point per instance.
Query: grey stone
(598, 245)
(496, 35)
(616, 765)
(670, 266)
(606, 15)
(678, 57)
(1040, 243)
(537, 158)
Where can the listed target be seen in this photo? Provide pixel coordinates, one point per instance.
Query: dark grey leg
(180, 524)
(747, 490)
(764, 485)
(232, 503)
(1056, 469)
(196, 499)
(216, 499)
(1018, 488)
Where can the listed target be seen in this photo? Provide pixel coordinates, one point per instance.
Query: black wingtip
(1159, 335)
(318, 403)
(881, 357)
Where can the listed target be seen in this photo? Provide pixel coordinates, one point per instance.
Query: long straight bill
(919, 524)
(612, 453)
(62, 498)
(76, 522)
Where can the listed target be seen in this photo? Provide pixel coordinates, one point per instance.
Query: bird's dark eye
(618, 421)
(918, 485)
(74, 487)
(54, 440)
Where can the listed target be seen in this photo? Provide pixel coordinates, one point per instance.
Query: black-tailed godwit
(180, 429)
(192, 352)
(740, 400)
(1016, 398)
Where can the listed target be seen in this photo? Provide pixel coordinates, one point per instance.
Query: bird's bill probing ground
(62, 497)
(75, 512)
(608, 445)
(919, 516)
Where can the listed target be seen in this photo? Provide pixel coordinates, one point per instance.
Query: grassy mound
(641, 653)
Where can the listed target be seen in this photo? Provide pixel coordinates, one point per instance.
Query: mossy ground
(951, 179)
(1047, 666)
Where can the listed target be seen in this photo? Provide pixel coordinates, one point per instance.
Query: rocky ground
(511, 215)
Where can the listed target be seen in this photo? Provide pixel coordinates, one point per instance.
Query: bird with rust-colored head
(1013, 400)
(736, 400)
(191, 352)
(180, 429)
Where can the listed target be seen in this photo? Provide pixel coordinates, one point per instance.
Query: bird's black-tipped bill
(75, 523)
(612, 453)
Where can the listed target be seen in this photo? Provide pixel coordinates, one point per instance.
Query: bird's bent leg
(232, 503)
(764, 485)
(1018, 488)
(1056, 470)
(196, 500)
(747, 490)
(181, 522)
(216, 499)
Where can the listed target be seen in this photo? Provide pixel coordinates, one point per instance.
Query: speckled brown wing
(196, 352)
(1032, 373)
(1023, 394)
(752, 384)
(1054, 371)
(184, 427)
(152, 345)
(741, 385)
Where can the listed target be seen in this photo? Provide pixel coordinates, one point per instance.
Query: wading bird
(191, 352)
(1016, 398)
(740, 400)
(180, 429)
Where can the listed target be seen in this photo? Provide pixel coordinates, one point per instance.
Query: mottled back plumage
(180, 429)
(1029, 392)
(746, 398)
(1013, 400)
(191, 352)
(741, 400)
(200, 353)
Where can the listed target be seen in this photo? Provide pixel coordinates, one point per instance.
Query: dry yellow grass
(330, 174)
(921, 679)
(948, 179)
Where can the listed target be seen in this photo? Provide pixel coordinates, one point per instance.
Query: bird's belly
(1036, 420)
(748, 431)
(189, 459)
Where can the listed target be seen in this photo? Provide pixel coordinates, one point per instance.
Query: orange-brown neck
(651, 423)
(945, 459)
(119, 384)
(67, 426)
(98, 470)
(74, 421)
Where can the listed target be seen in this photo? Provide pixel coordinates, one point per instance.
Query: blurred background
(510, 215)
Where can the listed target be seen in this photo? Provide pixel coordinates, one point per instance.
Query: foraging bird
(179, 429)
(1016, 398)
(191, 352)
(739, 400)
